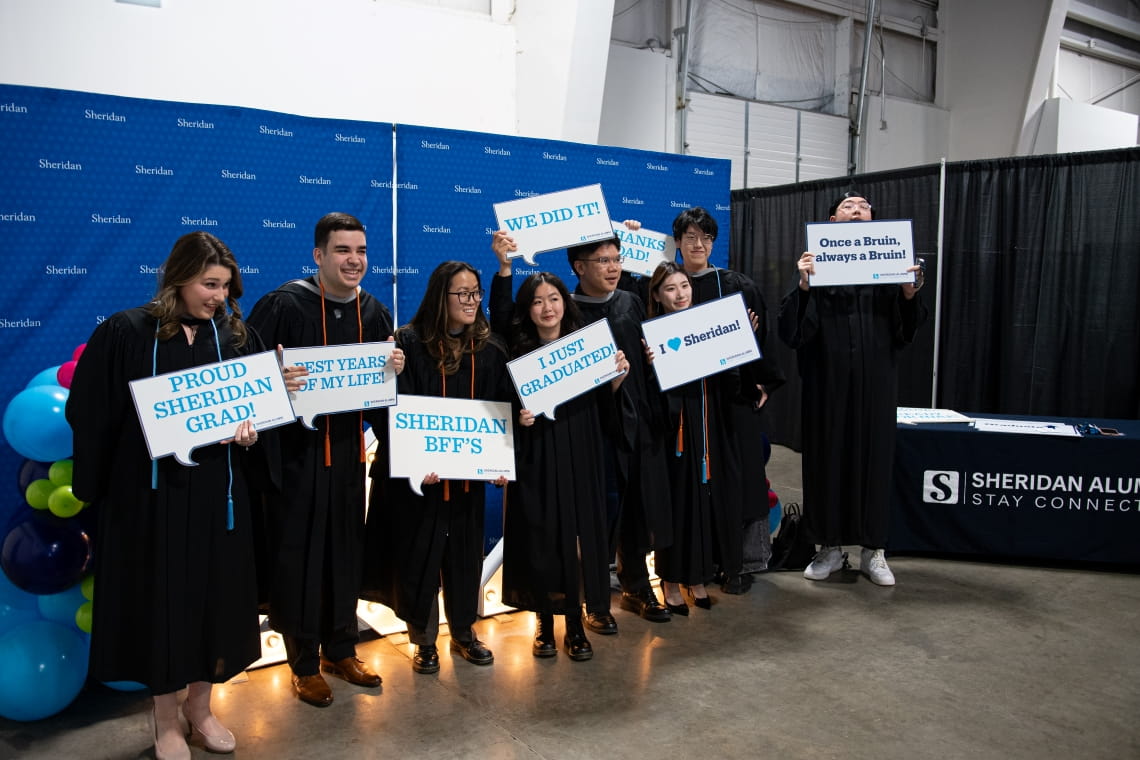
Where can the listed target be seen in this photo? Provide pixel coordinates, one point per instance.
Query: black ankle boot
(544, 636)
(575, 641)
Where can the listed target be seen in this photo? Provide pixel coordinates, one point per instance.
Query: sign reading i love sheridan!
(701, 341)
(343, 378)
(861, 253)
(565, 368)
(457, 439)
(182, 410)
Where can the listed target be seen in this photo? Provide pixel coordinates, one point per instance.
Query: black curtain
(1040, 311)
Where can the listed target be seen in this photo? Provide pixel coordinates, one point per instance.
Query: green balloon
(63, 503)
(60, 472)
(83, 617)
(87, 587)
(38, 492)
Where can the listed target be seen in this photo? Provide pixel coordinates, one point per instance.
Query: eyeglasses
(852, 205)
(691, 239)
(606, 260)
(467, 296)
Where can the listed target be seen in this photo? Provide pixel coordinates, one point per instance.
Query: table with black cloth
(958, 490)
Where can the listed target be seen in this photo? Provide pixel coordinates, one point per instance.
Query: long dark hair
(524, 333)
(660, 274)
(430, 321)
(193, 254)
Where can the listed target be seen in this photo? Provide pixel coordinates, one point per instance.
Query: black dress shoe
(426, 659)
(704, 602)
(601, 622)
(645, 604)
(544, 637)
(678, 609)
(474, 652)
(738, 584)
(578, 646)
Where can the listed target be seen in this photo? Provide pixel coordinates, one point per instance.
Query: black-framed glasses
(467, 296)
(607, 260)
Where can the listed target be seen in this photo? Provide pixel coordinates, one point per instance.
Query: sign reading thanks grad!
(701, 341)
(861, 253)
(457, 439)
(555, 220)
(643, 250)
(182, 410)
(343, 378)
(565, 368)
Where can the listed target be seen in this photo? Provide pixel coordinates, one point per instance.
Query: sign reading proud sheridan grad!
(701, 340)
(343, 378)
(182, 410)
(861, 253)
(457, 439)
(555, 220)
(565, 368)
(643, 250)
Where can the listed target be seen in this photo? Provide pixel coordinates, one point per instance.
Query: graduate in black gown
(705, 466)
(177, 602)
(316, 521)
(416, 543)
(847, 340)
(695, 231)
(555, 547)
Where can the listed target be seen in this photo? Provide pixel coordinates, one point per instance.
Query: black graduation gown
(643, 477)
(177, 592)
(410, 539)
(706, 511)
(316, 521)
(847, 340)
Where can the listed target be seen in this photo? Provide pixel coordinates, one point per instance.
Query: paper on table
(916, 414)
(1026, 427)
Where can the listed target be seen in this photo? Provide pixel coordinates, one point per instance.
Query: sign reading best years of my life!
(861, 253)
(343, 378)
(700, 341)
(457, 439)
(183, 410)
(554, 220)
(565, 368)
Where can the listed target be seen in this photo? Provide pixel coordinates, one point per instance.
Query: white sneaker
(873, 564)
(825, 562)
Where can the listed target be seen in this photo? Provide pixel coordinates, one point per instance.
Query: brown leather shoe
(313, 689)
(352, 670)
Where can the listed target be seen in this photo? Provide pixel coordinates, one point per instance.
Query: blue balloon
(775, 514)
(61, 607)
(46, 377)
(17, 606)
(45, 554)
(31, 470)
(124, 685)
(35, 425)
(45, 666)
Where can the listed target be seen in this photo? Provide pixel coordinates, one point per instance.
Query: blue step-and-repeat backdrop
(96, 189)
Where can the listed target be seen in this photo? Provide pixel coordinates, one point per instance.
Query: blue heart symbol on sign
(675, 343)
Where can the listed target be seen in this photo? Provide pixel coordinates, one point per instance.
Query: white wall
(639, 100)
(916, 134)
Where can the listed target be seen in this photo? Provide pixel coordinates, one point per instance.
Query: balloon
(61, 607)
(775, 514)
(124, 685)
(82, 617)
(39, 493)
(45, 377)
(44, 554)
(78, 352)
(45, 665)
(63, 503)
(35, 425)
(17, 606)
(87, 587)
(31, 470)
(65, 373)
(60, 472)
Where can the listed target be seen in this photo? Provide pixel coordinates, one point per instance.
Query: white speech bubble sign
(181, 411)
(861, 253)
(457, 439)
(343, 378)
(554, 220)
(565, 368)
(700, 341)
(642, 251)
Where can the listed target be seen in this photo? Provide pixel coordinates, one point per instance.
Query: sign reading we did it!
(701, 341)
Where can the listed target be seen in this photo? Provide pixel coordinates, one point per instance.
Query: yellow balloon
(38, 492)
(60, 472)
(83, 617)
(87, 587)
(63, 503)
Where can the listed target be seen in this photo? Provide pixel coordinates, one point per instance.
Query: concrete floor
(959, 660)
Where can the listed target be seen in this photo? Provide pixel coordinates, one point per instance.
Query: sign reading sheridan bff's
(565, 368)
(182, 410)
(701, 341)
(343, 378)
(555, 220)
(457, 439)
(861, 253)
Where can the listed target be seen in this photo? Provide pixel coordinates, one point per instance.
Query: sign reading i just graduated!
(565, 368)
(861, 253)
